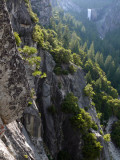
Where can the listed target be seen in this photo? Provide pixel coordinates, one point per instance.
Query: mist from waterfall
(89, 13)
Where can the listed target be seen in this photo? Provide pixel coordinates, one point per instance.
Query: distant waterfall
(89, 13)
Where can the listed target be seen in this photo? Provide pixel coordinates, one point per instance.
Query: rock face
(16, 144)
(66, 5)
(25, 142)
(110, 19)
(21, 20)
(14, 90)
(59, 134)
(106, 18)
(43, 10)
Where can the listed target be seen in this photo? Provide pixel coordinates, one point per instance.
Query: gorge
(48, 101)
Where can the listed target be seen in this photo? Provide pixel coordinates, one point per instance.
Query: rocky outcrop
(43, 10)
(58, 132)
(14, 90)
(16, 144)
(21, 20)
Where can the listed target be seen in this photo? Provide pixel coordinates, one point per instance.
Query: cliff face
(43, 10)
(58, 133)
(106, 17)
(14, 90)
(24, 139)
(15, 143)
(110, 19)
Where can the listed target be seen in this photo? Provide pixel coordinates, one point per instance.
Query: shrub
(61, 55)
(82, 121)
(59, 71)
(101, 132)
(30, 103)
(70, 104)
(91, 149)
(17, 39)
(76, 59)
(94, 126)
(38, 35)
(88, 91)
(106, 137)
(26, 156)
(28, 51)
(33, 15)
(72, 69)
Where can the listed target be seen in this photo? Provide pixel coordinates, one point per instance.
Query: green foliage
(29, 50)
(52, 109)
(115, 135)
(88, 91)
(72, 68)
(91, 149)
(94, 126)
(70, 104)
(26, 156)
(26, 1)
(38, 35)
(30, 103)
(17, 39)
(59, 71)
(99, 115)
(101, 132)
(28, 54)
(106, 137)
(82, 121)
(32, 94)
(32, 14)
(61, 55)
(76, 59)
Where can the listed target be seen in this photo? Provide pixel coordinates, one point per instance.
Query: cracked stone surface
(14, 89)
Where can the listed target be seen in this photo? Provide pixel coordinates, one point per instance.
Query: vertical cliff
(13, 82)
(43, 10)
(39, 123)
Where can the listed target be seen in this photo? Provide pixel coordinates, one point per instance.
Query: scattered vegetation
(70, 104)
(82, 121)
(115, 135)
(107, 137)
(32, 14)
(29, 55)
(17, 39)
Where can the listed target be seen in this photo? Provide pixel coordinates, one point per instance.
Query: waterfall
(89, 13)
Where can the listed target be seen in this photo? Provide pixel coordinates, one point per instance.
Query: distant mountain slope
(106, 14)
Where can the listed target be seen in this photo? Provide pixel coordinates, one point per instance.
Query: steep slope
(59, 134)
(24, 141)
(106, 14)
(15, 143)
(110, 20)
(13, 82)
(43, 10)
